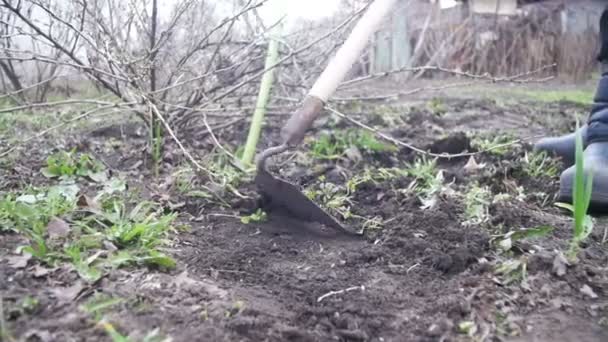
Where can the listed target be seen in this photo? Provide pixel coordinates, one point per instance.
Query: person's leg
(564, 146)
(596, 151)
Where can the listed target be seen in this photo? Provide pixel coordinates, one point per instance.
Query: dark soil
(421, 277)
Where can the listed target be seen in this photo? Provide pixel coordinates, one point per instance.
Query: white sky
(298, 9)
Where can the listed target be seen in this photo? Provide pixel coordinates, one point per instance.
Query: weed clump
(539, 164)
(69, 164)
(335, 146)
(428, 179)
(92, 234)
(477, 201)
(498, 145)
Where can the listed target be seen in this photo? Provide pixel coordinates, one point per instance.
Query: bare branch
(63, 103)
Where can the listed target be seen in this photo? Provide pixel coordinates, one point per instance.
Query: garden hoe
(279, 193)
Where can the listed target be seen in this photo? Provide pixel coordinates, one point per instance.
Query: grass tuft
(428, 180)
(92, 234)
(336, 145)
(540, 164)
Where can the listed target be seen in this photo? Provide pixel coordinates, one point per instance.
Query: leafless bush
(24, 77)
(171, 66)
(129, 50)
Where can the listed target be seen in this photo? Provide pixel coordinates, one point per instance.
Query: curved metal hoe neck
(269, 152)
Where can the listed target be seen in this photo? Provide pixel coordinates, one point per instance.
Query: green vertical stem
(255, 129)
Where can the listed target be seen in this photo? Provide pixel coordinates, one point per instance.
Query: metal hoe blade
(288, 197)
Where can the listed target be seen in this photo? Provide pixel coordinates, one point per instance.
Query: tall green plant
(581, 197)
(262, 101)
(272, 58)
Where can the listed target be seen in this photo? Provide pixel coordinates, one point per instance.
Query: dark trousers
(598, 120)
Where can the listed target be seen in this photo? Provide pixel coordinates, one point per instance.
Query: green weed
(337, 200)
(513, 270)
(114, 334)
(437, 107)
(505, 241)
(477, 201)
(29, 304)
(374, 175)
(498, 145)
(83, 264)
(327, 148)
(584, 97)
(237, 307)
(184, 180)
(100, 304)
(334, 198)
(335, 146)
(468, 328)
(12, 122)
(80, 236)
(539, 164)
(65, 164)
(258, 216)
(137, 233)
(222, 178)
(29, 214)
(428, 180)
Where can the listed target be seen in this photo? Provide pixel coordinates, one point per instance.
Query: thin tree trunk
(153, 51)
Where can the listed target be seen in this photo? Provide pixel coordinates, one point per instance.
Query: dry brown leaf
(68, 294)
(38, 335)
(57, 228)
(87, 202)
(107, 245)
(19, 261)
(588, 291)
(354, 154)
(560, 264)
(472, 165)
(40, 271)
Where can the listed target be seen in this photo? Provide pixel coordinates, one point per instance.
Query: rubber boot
(563, 146)
(595, 165)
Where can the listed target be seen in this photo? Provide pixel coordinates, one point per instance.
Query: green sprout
(581, 197)
(258, 216)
